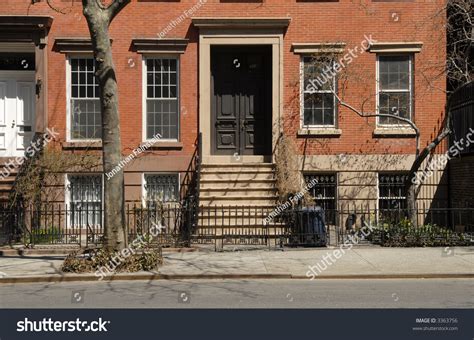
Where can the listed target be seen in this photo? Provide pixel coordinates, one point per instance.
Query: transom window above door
(318, 103)
(162, 98)
(85, 122)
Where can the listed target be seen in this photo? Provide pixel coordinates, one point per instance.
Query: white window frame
(144, 93)
(67, 194)
(144, 191)
(302, 92)
(69, 97)
(410, 82)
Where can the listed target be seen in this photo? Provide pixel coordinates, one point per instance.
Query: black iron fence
(219, 226)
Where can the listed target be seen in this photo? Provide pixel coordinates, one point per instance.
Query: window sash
(318, 119)
(161, 91)
(85, 119)
(388, 121)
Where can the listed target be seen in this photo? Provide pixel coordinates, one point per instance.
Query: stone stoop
(236, 195)
(6, 183)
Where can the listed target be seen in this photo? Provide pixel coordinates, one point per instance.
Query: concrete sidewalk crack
(370, 263)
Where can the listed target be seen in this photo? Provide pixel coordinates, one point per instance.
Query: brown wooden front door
(241, 100)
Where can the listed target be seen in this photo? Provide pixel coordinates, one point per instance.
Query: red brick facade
(311, 22)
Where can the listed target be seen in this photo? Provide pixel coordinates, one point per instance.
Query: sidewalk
(371, 262)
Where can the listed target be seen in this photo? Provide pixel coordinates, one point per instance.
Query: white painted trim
(144, 93)
(410, 86)
(331, 127)
(68, 99)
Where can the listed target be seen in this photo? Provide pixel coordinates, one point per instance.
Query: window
(392, 192)
(318, 101)
(162, 188)
(85, 200)
(84, 112)
(394, 88)
(324, 193)
(162, 98)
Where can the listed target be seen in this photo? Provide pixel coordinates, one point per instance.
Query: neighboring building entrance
(17, 111)
(241, 100)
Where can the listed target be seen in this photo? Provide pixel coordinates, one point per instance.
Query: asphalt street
(282, 293)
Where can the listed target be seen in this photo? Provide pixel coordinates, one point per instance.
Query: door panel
(17, 113)
(241, 100)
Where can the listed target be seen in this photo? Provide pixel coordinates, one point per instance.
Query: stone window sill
(322, 132)
(394, 132)
(163, 145)
(82, 145)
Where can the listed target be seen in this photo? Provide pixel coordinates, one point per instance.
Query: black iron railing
(223, 226)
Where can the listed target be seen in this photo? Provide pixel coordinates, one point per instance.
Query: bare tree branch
(115, 8)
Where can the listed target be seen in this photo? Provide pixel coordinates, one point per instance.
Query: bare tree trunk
(413, 182)
(99, 18)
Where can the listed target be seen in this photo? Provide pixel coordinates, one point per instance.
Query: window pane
(86, 119)
(318, 75)
(319, 109)
(395, 103)
(394, 72)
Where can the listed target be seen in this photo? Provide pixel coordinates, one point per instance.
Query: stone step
(238, 192)
(238, 165)
(241, 184)
(237, 176)
(256, 201)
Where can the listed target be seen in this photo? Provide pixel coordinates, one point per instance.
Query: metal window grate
(392, 191)
(86, 122)
(162, 98)
(325, 193)
(162, 188)
(85, 196)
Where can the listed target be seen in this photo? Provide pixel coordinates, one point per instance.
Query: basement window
(324, 193)
(161, 188)
(392, 192)
(84, 194)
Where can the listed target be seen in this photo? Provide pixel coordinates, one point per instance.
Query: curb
(153, 277)
(63, 252)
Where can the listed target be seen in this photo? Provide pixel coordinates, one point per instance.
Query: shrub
(46, 235)
(405, 234)
(143, 260)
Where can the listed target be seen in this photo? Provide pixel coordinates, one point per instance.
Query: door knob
(13, 124)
